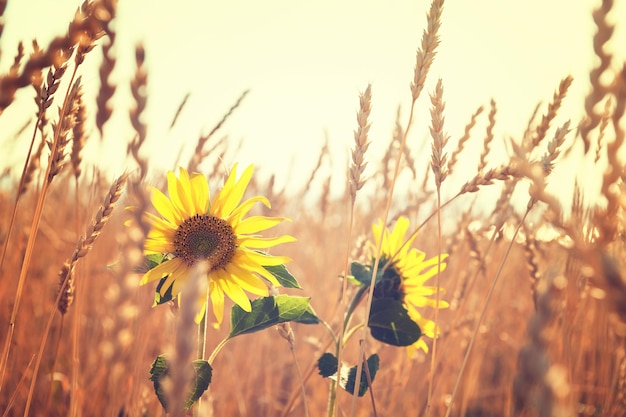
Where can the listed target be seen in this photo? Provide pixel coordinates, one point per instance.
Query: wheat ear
(454, 156)
(598, 90)
(361, 142)
(85, 243)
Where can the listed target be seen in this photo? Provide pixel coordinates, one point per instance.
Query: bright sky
(305, 63)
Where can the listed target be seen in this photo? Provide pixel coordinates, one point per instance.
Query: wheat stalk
(85, 243)
(488, 137)
(598, 90)
(361, 142)
(198, 154)
(426, 52)
(438, 157)
(454, 156)
(537, 381)
(107, 88)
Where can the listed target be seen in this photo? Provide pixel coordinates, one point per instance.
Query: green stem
(202, 330)
(217, 350)
(351, 332)
(341, 340)
(330, 330)
(202, 336)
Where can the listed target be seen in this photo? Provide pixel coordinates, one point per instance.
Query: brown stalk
(361, 143)
(546, 120)
(608, 220)
(197, 156)
(355, 183)
(488, 137)
(82, 27)
(78, 134)
(66, 123)
(425, 57)
(83, 247)
(598, 90)
(604, 122)
(438, 157)
(440, 171)
(538, 383)
(107, 88)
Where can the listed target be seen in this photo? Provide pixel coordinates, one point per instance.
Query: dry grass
(536, 324)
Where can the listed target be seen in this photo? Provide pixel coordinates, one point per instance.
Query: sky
(305, 63)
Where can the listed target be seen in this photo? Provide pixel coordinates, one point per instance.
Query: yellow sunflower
(191, 228)
(414, 270)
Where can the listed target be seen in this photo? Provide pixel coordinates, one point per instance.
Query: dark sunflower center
(205, 237)
(389, 285)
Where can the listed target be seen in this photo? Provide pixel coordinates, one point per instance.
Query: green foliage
(390, 323)
(159, 371)
(154, 259)
(327, 366)
(270, 311)
(283, 276)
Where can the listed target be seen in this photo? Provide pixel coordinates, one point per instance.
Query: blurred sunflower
(191, 228)
(409, 272)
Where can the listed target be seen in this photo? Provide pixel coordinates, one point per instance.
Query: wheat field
(536, 324)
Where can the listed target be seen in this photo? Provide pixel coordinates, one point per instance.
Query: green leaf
(204, 372)
(348, 384)
(155, 259)
(390, 323)
(159, 371)
(362, 273)
(327, 366)
(270, 311)
(283, 276)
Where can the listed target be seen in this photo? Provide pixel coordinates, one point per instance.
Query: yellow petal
(234, 193)
(247, 280)
(256, 258)
(174, 191)
(166, 268)
(217, 300)
(263, 242)
(233, 291)
(164, 206)
(217, 209)
(244, 208)
(201, 197)
(256, 224)
(158, 246)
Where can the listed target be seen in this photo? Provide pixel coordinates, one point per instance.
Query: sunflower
(191, 228)
(410, 265)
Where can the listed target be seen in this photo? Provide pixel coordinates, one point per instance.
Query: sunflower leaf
(270, 311)
(372, 365)
(283, 276)
(159, 371)
(155, 259)
(327, 366)
(362, 273)
(390, 323)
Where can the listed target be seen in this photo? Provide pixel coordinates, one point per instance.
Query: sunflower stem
(202, 331)
(217, 350)
(351, 332)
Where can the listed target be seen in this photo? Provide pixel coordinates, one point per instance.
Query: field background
(552, 338)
